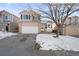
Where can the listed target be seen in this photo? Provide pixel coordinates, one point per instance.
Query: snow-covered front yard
(48, 42)
(6, 34)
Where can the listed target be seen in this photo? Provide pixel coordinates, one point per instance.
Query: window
(24, 17)
(29, 16)
(7, 17)
(33, 17)
(21, 16)
(49, 26)
(38, 17)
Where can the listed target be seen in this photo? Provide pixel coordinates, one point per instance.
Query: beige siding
(30, 22)
(31, 13)
(42, 27)
(71, 30)
(13, 22)
(13, 27)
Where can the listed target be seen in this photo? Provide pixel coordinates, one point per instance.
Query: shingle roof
(30, 11)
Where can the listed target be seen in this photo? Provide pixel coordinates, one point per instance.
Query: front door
(7, 27)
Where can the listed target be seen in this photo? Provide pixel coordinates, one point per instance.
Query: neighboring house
(72, 26)
(8, 22)
(73, 20)
(48, 25)
(29, 22)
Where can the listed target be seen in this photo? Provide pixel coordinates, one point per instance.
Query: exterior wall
(16, 19)
(48, 25)
(13, 27)
(1, 21)
(4, 26)
(54, 27)
(74, 20)
(1, 26)
(42, 27)
(29, 22)
(72, 26)
(31, 13)
(13, 21)
(71, 30)
(5, 13)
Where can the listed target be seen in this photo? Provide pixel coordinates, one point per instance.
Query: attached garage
(29, 29)
(29, 22)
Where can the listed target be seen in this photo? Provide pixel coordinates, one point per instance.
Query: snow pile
(48, 42)
(6, 34)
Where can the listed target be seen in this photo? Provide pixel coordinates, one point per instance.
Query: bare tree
(58, 12)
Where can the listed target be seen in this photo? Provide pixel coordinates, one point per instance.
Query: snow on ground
(6, 34)
(48, 42)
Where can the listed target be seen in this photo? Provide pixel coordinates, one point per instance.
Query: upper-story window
(38, 17)
(29, 16)
(25, 17)
(33, 17)
(7, 18)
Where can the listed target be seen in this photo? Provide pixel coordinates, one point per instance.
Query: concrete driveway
(17, 45)
(21, 45)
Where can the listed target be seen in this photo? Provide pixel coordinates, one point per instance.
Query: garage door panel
(29, 29)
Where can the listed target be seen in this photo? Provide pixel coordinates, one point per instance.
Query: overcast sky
(15, 8)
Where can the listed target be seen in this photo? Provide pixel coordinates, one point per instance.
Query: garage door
(30, 29)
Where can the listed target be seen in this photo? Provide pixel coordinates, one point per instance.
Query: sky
(16, 8)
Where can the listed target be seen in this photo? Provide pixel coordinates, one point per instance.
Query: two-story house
(8, 21)
(29, 22)
(72, 21)
(72, 26)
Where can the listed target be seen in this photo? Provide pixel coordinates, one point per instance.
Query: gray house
(8, 21)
